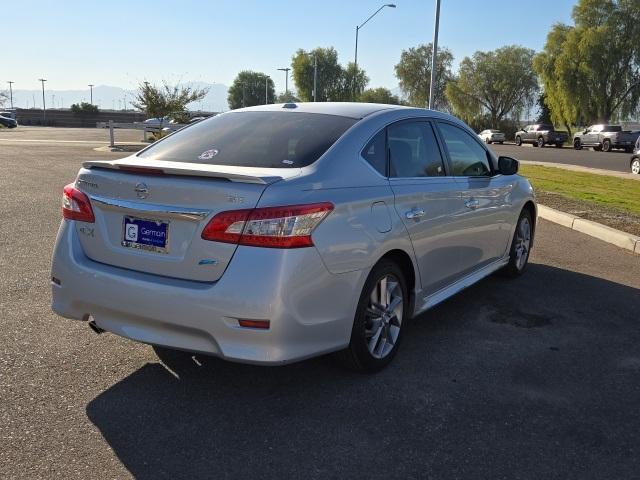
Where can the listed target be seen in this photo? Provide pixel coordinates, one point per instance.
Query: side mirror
(508, 165)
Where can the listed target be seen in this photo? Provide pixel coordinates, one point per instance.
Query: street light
(286, 79)
(11, 92)
(44, 107)
(315, 75)
(390, 5)
(434, 54)
(91, 87)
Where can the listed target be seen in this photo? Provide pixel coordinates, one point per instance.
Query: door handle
(472, 203)
(415, 214)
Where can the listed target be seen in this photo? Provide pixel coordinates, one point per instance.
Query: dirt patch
(516, 317)
(609, 216)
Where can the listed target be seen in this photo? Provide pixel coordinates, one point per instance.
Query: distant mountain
(108, 97)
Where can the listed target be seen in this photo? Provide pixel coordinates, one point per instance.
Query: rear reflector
(273, 227)
(76, 205)
(262, 324)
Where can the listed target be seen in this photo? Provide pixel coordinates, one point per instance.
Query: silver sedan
(276, 233)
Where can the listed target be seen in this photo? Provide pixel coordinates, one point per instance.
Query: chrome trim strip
(193, 214)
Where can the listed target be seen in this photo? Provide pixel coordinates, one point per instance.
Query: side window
(374, 153)
(414, 151)
(468, 157)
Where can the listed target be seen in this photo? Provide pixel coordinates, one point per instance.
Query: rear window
(545, 127)
(253, 139)
(612, 128)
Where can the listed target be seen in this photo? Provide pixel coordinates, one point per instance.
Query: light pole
(11, 92)
(315, 75)
(434, 54)
(390, 5)
(286, 79)
(44, 107)
(91, 94)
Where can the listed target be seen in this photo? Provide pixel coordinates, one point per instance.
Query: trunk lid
(164, 206)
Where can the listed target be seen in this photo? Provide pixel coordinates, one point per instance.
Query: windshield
(253, 139)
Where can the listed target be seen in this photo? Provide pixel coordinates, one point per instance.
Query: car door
(426, 199)
(591, 135)
(483, 217)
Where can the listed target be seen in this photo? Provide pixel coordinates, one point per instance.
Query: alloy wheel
(523, 242)
(383, 318)
(635, 167)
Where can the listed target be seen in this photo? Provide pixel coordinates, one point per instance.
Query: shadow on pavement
(532, 378)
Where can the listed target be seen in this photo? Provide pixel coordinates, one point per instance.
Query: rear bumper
(311, 310)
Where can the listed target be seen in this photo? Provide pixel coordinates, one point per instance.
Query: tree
(379, 95)
(287, 97)
(545, 113)
(414, 73)
(591, 70)
(4, 98)
(334, 82)
(499, 82)
(84, 107)
(166, 100)
(248, 89)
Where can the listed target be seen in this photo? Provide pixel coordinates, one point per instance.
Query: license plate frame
(146, 234)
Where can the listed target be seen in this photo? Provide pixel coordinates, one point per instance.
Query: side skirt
(445, 293)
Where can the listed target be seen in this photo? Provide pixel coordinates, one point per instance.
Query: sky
(72, 43)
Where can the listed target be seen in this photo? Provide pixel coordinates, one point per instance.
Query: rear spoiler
(262, 176)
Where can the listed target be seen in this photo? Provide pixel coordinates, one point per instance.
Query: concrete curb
(593, 229)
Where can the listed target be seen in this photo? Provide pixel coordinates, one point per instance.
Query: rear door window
(253, 139)
(414, 151)
(375, 154)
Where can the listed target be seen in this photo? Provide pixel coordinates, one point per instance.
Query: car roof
(343, 109)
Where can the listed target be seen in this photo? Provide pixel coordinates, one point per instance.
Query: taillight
(76, 205)
(274, 227)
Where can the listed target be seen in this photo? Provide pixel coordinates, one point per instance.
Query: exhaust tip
(95, 328)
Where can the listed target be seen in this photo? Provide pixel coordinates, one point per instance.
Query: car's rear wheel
(501, 143)
(635, 166)
(540, 142)
(606, 145)
(597, 148)
(577, 144)
(520, 245)
(558, 145)
(380, 316)
(518, 140)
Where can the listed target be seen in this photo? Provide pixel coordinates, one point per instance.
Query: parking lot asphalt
(616, 160)
(537, 377)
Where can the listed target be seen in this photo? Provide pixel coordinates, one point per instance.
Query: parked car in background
(634, 164)
(230, 237)
(541, 134)
(606, 138)
(491, 136)
(8, 122)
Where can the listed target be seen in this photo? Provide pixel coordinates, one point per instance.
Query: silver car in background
(276, 233)
(492, 136)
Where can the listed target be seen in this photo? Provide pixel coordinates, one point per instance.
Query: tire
(635, 165)
(375, 338)
(520, 246)
(518, 141)
(558, 145)
(577, 145)
(606, 145)
(540, 142)
(501, 143)
(486, 140)
(597, 148)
